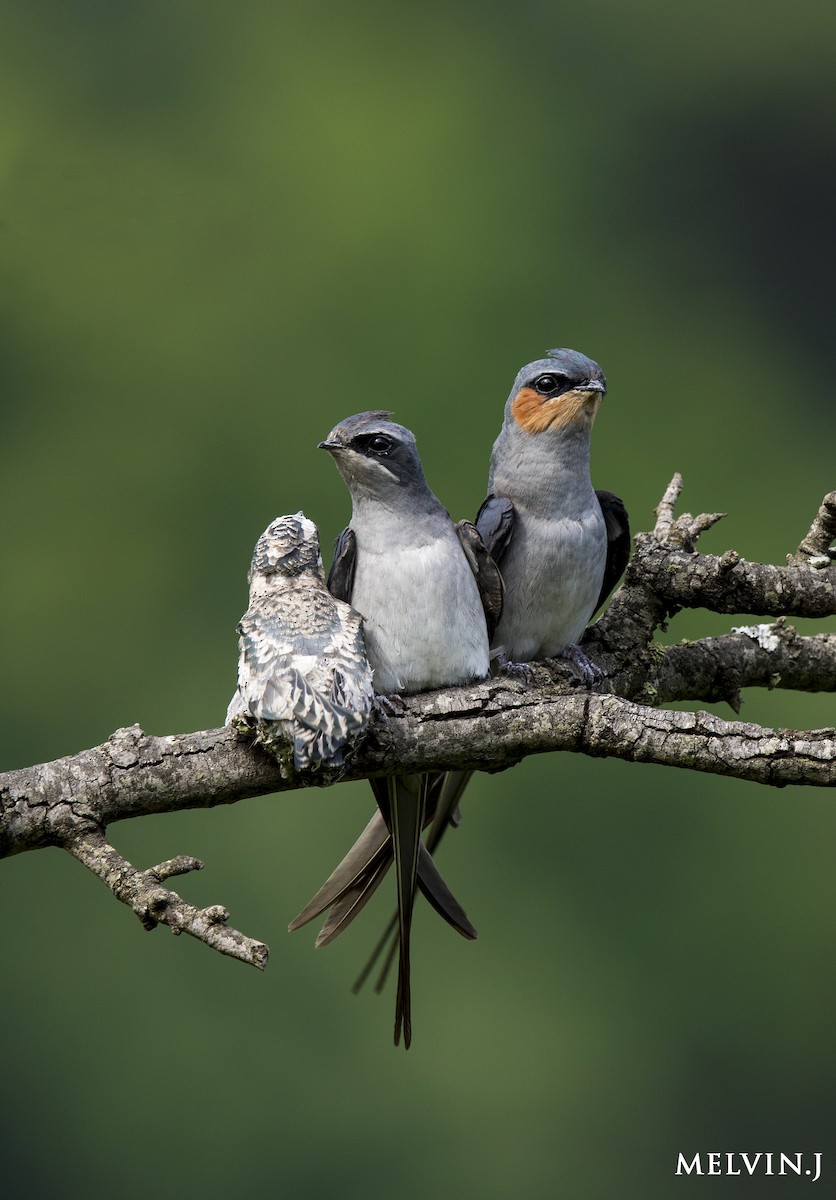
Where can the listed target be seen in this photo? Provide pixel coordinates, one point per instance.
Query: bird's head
(560, 392)
(375, 456)
(288, 546)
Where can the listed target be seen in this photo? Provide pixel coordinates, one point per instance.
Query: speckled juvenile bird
(560, 545)
(304, 680)
(425, 589)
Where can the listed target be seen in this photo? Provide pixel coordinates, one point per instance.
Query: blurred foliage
(224, 228)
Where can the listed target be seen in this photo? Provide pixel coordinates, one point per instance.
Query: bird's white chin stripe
(363, 470)
(378, 466)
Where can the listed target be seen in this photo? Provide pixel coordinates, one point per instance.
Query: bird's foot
(388, 706)
(243, 724)
(582, 664)
(514, 670)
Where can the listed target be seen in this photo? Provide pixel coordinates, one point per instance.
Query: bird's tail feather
(407, 805)
(390, 936)
(373, 845)
(353, 899)
(440, 896)
(450, 790)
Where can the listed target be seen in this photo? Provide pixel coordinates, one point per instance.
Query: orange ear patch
(531, 412)
(534, 414)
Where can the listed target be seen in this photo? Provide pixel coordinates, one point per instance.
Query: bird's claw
(515, 670)
(588, 671)
(389, 706)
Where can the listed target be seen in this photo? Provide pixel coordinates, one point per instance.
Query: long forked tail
(351, 884)
(447, 792)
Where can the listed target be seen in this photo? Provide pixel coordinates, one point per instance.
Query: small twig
(684, 530)
(142, 891)
(815, 548)
(696, 526)
(666, 574)
(664, 510)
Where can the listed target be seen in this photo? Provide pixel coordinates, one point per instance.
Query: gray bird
(426, 591)
(304, 680)
(560, 545)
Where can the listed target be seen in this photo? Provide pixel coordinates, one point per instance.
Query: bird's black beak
(330, 446)
(592, 385)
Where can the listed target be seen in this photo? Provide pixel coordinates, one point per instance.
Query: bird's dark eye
(546, 384)
(374, 443)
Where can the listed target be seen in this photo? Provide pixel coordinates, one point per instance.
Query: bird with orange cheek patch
(560, 545)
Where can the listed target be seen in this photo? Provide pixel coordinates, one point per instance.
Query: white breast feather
(424, 622)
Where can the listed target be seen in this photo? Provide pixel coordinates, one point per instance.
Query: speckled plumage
(304, 680)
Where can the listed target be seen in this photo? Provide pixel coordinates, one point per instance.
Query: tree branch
(667, 574)
(487, 726)
(154, 904)
(491, 725)
(770, 656)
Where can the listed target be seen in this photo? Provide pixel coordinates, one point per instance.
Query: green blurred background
(223, 229)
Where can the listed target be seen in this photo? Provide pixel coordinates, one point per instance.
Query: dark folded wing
(618, 542)
(341, 575)
(485, 572)
(495, 523)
